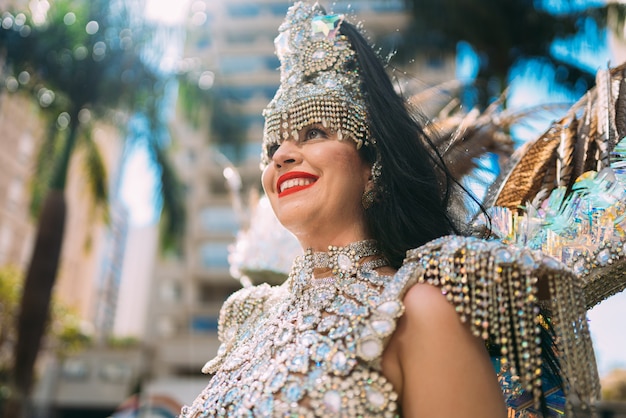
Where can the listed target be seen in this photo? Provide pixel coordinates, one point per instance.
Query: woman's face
(315, 186)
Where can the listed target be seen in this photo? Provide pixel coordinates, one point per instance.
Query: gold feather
(565, 153)
(526, 173)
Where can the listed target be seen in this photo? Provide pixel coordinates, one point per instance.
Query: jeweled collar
(344, 262)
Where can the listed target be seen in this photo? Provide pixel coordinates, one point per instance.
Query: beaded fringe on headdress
(319, 80)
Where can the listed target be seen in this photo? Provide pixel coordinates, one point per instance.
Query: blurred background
(130, 136)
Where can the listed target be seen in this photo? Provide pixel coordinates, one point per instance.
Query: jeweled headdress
(319, 80)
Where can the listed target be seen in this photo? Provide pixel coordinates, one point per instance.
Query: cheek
(351, 165)
(266, 179)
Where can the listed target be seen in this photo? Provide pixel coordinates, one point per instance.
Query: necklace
(344, 262)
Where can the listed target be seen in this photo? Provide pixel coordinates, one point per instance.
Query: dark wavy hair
(414, 188)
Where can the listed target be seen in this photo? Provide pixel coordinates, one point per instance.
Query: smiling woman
(387, 313)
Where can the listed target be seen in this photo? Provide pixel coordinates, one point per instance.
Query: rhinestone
(293, 392)
(579, 267)
(299, 363)
(319, 54)
(332, 401)
(284, 336)
(341, 329)
(376, 398)
(277, 381)
(382, 327)
(308, 338)
(321, 351)
(369, 348)
(344, 262)
(503, 256)
(265, 406)
(339, 360)
(526, 260)
(603, 257)
(551, 263)
(391, 308)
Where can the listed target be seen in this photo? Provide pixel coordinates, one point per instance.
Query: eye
(271, 149)
(315, 133)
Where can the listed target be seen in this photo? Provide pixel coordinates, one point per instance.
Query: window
(243, 10)
(241, 38)
(171, 291)
(242, 64)
(219, 219)
(204, 324)
(75, 369)
(277, 9)
(210, 293)
(114, 372)
(165, 326)
(214, 255)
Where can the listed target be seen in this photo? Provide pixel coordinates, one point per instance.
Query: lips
(293, 182)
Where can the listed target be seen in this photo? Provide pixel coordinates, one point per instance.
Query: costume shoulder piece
(565, 192)
(499, 291)
(243, 305)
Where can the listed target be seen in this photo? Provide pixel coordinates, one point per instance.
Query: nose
(287, 153)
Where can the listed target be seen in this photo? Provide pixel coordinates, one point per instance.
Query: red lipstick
(294, 175)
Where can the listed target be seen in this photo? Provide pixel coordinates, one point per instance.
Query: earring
(368, 198)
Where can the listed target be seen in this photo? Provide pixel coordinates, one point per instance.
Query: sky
(138, 190)
(606, 322)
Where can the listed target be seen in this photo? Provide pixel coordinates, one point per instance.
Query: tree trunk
(35, 303)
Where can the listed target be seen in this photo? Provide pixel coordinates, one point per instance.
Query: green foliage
(95, 172)
(503, 33)
(10, 291)
(65, 334)
(86, 55)
(195, 103)
(173, 215)
(123, 342)
(44, 166)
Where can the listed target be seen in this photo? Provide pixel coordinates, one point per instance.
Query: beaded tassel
(494, 288)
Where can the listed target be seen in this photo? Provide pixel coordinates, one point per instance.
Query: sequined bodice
(313, 347)
(308, 347)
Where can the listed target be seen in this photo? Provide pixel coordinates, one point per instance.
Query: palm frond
(43, 167)
(173, 213)
(95, 172)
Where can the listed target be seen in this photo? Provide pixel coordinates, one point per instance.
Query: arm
(446, 371)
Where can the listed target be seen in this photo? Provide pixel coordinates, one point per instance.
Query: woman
(359, 328)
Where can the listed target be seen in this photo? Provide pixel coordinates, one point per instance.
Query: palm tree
(88, 55)
(503, 34)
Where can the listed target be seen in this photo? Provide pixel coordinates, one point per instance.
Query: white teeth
(287, 184)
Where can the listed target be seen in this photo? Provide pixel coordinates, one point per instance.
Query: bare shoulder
(424, 301)
(430, 317)
(438, 356)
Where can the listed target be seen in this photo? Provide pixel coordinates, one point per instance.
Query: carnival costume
(313, 346)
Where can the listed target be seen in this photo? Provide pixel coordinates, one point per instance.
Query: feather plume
(565, 152)
(605, 138)
(582, 142)
(620, 110)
